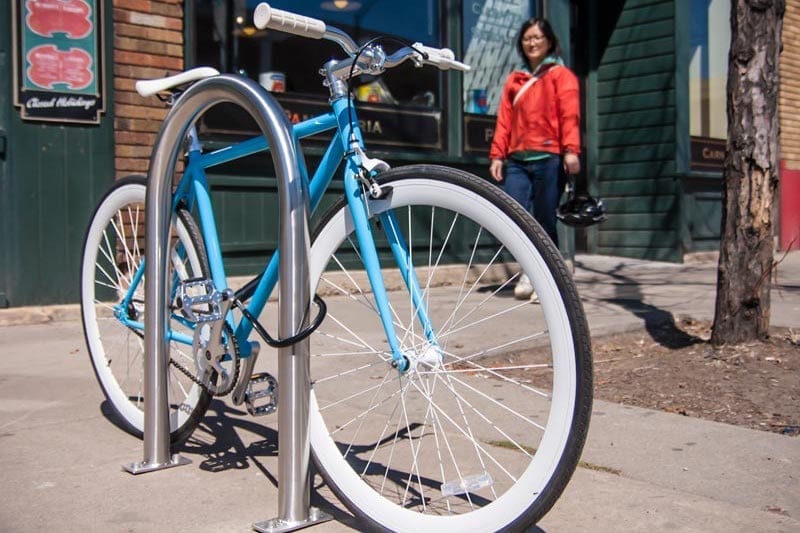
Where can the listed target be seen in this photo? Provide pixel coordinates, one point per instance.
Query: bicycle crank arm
(240, 391)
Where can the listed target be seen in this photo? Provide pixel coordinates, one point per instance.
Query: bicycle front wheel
(484, 430)
(113, 255)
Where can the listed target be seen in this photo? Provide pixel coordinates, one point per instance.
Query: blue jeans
(537, 186)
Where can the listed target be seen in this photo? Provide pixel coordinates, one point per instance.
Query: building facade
(652, 71)
(789, 192)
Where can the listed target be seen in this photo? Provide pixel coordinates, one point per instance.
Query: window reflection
(226, 39)
(490, 31)
(710, 39)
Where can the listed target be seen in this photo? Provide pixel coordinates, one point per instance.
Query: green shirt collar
(549, 60)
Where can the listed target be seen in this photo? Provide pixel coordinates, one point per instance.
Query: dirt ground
(674, 368)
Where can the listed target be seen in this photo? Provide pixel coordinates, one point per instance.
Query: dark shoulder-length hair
(547, 31)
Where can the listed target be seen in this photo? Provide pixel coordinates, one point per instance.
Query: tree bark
(742, 310)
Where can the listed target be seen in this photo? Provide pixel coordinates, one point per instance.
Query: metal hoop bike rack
(294, 295)
(425, 413)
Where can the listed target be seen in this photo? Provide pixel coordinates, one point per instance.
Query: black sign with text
(58, 60)
(478, 133)
(382, 126)
(708, 155)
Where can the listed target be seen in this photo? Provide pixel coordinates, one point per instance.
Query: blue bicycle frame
(193, 190)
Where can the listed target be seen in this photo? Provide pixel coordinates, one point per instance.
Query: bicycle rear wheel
(113, 252)
(484, 436)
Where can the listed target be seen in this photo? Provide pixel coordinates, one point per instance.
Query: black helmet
(581, 210)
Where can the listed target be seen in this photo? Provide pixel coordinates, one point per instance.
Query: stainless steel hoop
(294, 296)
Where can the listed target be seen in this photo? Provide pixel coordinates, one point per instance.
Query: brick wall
(148, 43)
(790, 86)
(789, 187)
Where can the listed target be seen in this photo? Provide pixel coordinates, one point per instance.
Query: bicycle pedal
(261, 386)
(199, 301)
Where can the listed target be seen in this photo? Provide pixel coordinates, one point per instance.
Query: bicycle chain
(186, 372)
(235, 345)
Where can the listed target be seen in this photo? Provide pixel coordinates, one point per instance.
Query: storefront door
(52, 172)
(5, 87)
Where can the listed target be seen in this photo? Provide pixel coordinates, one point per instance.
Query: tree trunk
(751, 173)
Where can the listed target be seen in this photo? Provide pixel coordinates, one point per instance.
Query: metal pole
(294, 299)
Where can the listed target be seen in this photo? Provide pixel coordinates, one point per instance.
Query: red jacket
(546, 118)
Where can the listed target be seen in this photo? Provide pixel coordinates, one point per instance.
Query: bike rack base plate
(279, 525)
(144, 467)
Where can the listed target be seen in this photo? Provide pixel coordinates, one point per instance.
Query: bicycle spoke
(112, 256)
(458, 428)
(465, 434)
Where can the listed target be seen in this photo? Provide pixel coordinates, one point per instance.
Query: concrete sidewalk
(653, 471)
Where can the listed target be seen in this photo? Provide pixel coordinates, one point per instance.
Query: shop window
(225, 38)
(489, 34)
(709, 40)
(490, 31)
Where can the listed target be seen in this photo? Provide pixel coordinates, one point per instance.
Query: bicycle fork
(357, 201)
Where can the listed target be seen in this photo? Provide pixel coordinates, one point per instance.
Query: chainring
(215, 375)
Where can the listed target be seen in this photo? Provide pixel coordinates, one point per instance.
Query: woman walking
(537, 135)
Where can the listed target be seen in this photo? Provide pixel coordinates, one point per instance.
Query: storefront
(653, 80)
(407, 115)
(56, 142)
(653, 75)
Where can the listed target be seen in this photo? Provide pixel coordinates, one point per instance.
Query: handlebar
(265, 16)
(444, 58)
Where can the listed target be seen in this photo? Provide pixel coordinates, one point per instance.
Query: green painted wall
(53, 176)
(634, 126)
(5, 104)
(246, 209)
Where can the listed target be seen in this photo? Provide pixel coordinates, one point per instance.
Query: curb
(21, 316)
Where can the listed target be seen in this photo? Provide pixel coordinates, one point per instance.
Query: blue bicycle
(438, 401)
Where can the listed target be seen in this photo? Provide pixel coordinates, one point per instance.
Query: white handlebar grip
(448, 54)
(266, 17)
(444, 58)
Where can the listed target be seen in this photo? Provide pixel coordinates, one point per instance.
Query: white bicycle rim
(108, 339)
(525, 486)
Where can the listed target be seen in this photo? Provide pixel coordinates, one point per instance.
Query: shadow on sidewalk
(217, 440)
(659, 323)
